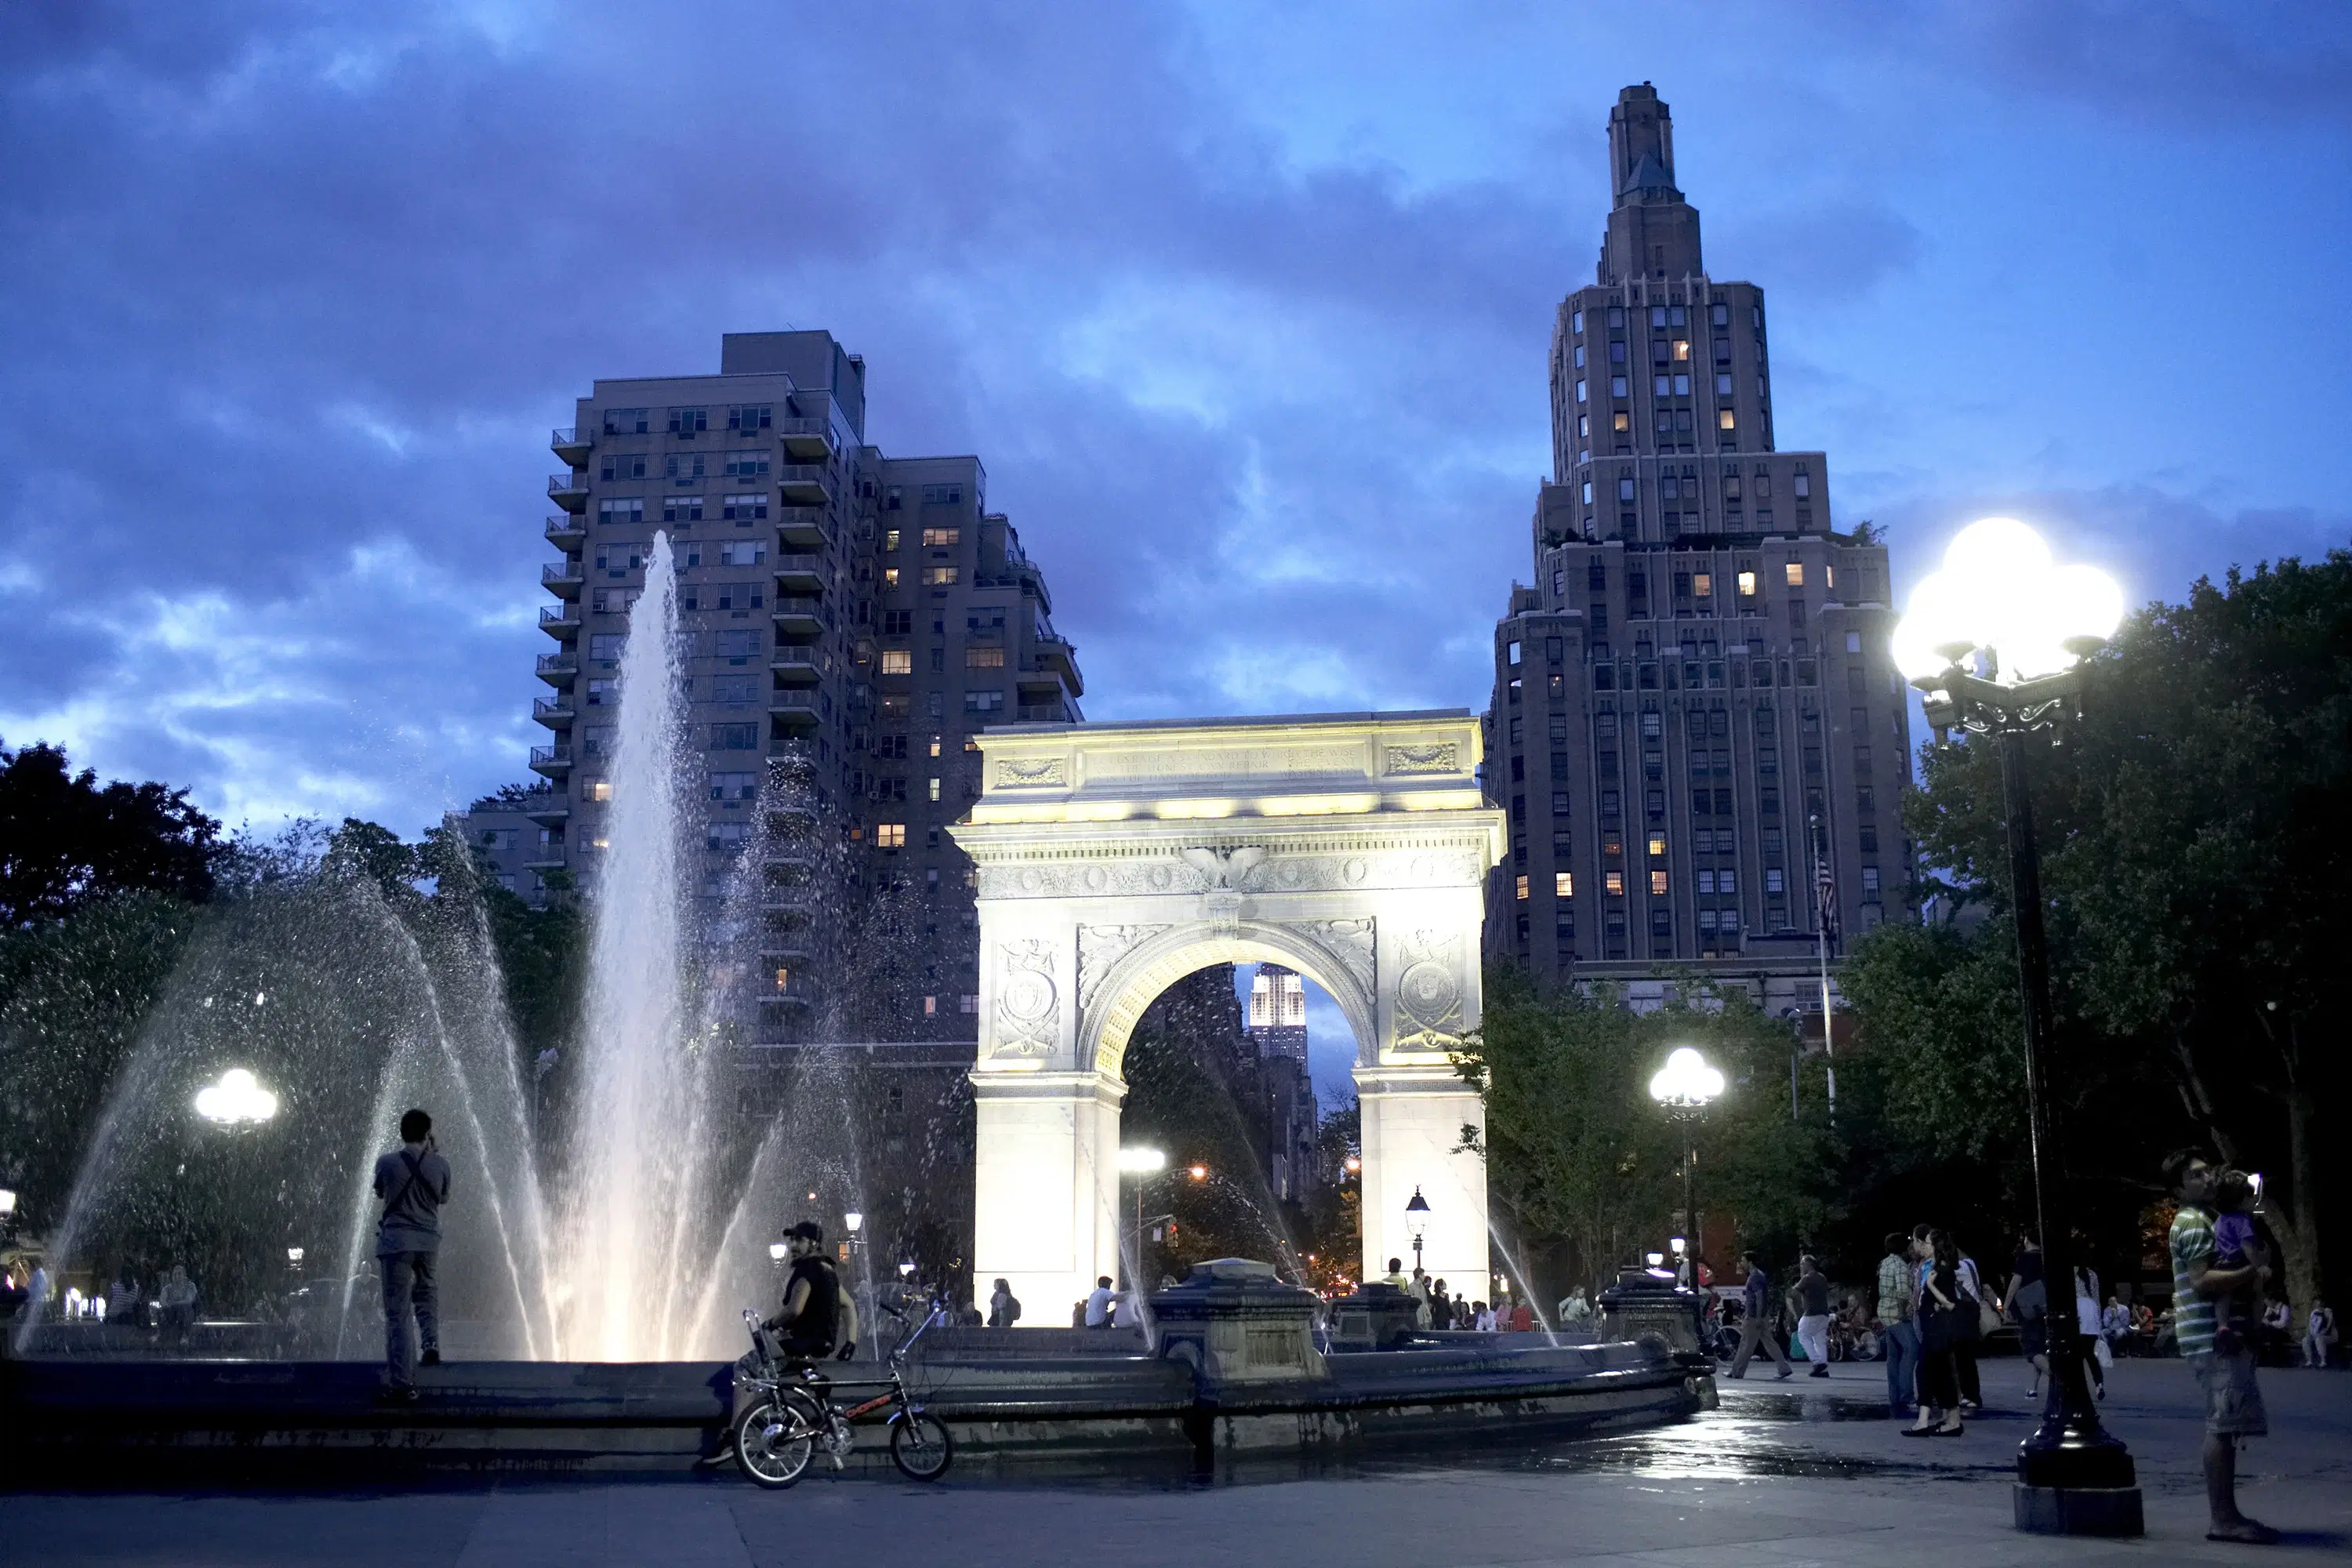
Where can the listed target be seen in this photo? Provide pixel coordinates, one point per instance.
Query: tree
(2193, 855)
(65, 840)
(1575, 1149)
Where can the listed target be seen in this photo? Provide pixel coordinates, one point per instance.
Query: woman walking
(1942, 1325)
(2088, 1339)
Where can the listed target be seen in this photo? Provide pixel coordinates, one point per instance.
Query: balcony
(797, 618)
(570, 490)
(788, 898)
(544, 857)
(563, 578)
(790, 817)
(799, 573)
(811, 440)
(1056, 653)
(560, 622)
(567, 533)
(571, 443)
(1042, 713)
(551, 760)
(801, 526)
(559, 670)
(553, 713)
(793, 711)
(549, 809)
(802, 484)
(794, 665)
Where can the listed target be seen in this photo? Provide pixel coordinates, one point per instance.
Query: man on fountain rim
(414, 1182)
(817, 1313)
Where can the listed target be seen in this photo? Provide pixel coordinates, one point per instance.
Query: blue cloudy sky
(1245, 309)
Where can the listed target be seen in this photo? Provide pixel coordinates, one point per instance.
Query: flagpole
(1824, 893)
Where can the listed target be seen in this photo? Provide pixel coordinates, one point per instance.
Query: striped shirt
(2192, 1314)
(1893, 1289)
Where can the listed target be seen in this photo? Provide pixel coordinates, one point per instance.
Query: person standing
(1897, 1325)
(1003, 1308)
(1941, 1309)
(414, 1182)
(2225, 1372)
(2027, 1301)
(2318, 1333)
(1756, 1323)
(2087, 1339)
(1810, 1298)
(1441, 1307)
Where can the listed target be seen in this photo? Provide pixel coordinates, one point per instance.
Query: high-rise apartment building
(1277, 1012)
(851, 620)
(1695, 719)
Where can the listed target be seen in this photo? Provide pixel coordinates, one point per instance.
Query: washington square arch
(1113, 859)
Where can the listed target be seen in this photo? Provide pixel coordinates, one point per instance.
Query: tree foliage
(1577, 1149)
(2192, 841)
(67, 840)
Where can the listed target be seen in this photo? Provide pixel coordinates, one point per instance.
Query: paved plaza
(1796, 1472)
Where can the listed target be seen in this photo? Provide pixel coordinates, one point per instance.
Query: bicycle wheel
(775, 1438)
(919, 1444)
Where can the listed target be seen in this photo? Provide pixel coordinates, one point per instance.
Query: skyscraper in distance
(1694, 724)
(1277, 1012)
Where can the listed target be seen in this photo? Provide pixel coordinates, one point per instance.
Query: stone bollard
(1378, 1317)
(1234, 1323)
(1641, 1303)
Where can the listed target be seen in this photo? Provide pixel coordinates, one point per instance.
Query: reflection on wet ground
(1756, 1434)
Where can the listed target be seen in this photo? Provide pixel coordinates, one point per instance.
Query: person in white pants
(1810, 1298)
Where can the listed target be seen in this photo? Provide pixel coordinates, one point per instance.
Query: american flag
(1825, 894)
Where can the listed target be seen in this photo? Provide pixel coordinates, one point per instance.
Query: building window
(742, 553)
(1870, 881)
(1795, 573)
(734, 737)
(625, 421)
(983, 702)
(898, 661)
(1613, 883)
(1617, 389)
(1521, 884)
(745, 508)
(890, 834)
(983, 658)
(1772, 882)
(752, 416)
(942, 538)
(938, 576)
(734, 786)
(1563, 885)
(747, 461)
(1725, 420)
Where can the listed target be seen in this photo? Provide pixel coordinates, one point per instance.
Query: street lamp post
(2001, 605)
(1685, 1087)
(1416, 1220)
(1141, 1163)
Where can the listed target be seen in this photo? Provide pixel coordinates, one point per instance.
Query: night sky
(1245, 309)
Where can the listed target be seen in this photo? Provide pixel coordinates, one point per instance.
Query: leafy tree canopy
(66, 839)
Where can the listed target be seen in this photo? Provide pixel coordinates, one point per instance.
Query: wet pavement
(1800, 1471)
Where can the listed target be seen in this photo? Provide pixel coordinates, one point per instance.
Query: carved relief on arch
(1027, 1002)
(1428, 992)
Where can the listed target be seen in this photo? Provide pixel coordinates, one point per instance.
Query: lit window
(898, 661)
(1613, 883)
(1725, 420)
(1748, 585)
(931, 1006)
(938, 576)
(1522, 883)
(783, 979)
(889, 577)
(935, 789)
(983, 658)
(1563, 886)
(1682, 348)
(1621, 423)
(1703, 585)
(935, 745)
(890, 834)
(1829, 574)
(1796, 573)
(890, 539)
(1657, 846)
(1657, 884)
(939, 538)
(599, 789)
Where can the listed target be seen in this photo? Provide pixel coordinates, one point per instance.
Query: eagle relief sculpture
(1223, 869)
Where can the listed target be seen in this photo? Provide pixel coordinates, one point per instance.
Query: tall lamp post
(1141, 1163)
(1685, 1087)
(1995, 641)
(1416, 1220)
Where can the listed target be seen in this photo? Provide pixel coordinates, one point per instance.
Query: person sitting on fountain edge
(414, 1182)
(817, 1312)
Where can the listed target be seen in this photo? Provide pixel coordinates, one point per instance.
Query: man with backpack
(1004, 1307)
(414, 1182)
(817, 1314)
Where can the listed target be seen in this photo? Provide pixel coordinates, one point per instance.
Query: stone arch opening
(1108, 1015)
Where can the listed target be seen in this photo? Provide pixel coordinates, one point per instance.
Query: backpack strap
(415, 1170)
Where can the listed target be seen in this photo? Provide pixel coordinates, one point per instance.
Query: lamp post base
(2079, 1510)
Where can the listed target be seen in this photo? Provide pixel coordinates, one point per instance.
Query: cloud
(1247, 320)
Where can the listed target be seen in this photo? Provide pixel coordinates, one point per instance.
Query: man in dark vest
(414, 1182)
(817, 1314)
